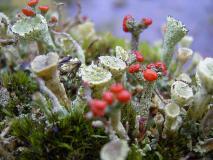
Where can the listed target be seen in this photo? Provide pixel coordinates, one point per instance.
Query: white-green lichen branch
(175, 31)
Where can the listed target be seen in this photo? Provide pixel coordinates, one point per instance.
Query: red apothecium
(98, 107)
(151, 65)
(150, 75)
(32, 3)
(125, 22)
(147, 21)
(116, 88)
(108, 97)
(138, 55)
(134, 68)
(124, 96)
(28, 12)
(43, 9)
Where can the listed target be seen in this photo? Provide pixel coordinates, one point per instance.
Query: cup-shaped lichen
(184, 54)
(115, 150)
(96, 77)
(182, 57)
(34, 28)
(115, 65)
(45, 67)
(172, 118)
(203, 96)
(181, 93)
(185, 78)
(175, 31)
(205, 74)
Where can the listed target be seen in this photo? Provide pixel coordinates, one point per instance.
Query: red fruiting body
(147, 21)
(138, 55)
(116, 88)
(32, 3)
(28, 12)
(150, 66)
(162, 66)
(43, 9)
(125, 22)
(124, 96)
(53, 19)
(98, 107)
(134, 68)
(150, 75)
(108, 97)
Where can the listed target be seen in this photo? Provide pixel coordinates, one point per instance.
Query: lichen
(175, 31)
(35, 28)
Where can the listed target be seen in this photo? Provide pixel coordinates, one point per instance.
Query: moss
(129, 115)
(69, 138)
(21, 86)
(134, 153)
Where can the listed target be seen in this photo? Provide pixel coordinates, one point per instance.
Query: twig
(80, 52)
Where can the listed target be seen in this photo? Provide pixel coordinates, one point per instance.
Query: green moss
(19, 83)
(129, 115)
(70, 138)
(134, 153)
(21, 86)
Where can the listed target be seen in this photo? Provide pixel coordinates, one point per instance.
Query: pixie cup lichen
(172, 119)
(181, 93)
(34, 28)
(184, 54)
(96, 77)
(115, 65)
(203, 96)
(45, 67)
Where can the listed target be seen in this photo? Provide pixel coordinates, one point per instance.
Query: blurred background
(107, 15)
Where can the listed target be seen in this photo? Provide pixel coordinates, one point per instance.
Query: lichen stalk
(172, 119)
(117, 126)
(135, 41)
(175, 31)
(146, 97)
(58, 89)
(57, 108)
(45, 67)
(201, 101)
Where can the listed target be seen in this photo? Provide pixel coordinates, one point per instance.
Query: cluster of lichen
(52, 71)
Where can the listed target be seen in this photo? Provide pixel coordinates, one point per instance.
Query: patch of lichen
(20, 86)
(72, 137)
